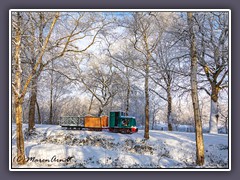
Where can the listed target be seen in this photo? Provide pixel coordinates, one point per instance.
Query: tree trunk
(153, 119)
(39, 113)
(33, 99)
(31, 117)
(18, 99)
(90, 106)
(100, 111)
(51, 98)
(213, 122)
(146, 132)
(153, 123)
(197, 118)
(20, 138)
(169, 114)
(51, 106)
(128, 96)
(226, 124)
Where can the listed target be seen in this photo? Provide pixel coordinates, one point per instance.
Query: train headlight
(134, 129)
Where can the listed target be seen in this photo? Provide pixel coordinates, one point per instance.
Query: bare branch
(158, 94)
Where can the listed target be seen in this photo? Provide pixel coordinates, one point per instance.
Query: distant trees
(57, 87)
(102, 82)
(124, 60)
(99, 79)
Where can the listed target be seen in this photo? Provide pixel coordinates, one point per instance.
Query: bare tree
(164, 72)
(155, 108)
(195, 101)
(19, 90)
(77, 28)
(213, 58)
(97, 78)
(101, 82)
(126, 75)
(146, 34)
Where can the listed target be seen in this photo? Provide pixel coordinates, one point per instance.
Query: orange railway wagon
(96, 122)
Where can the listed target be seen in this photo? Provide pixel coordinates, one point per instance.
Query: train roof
(127, 117)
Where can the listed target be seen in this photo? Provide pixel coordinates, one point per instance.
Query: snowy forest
(169, 70)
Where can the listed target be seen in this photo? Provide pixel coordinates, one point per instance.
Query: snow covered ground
(50, 146)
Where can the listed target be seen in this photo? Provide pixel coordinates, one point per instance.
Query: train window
(125, 122)
(123, 113)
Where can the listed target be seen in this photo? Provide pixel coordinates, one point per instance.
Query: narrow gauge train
(117, 123)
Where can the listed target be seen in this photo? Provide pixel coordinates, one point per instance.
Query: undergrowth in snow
(50, 146)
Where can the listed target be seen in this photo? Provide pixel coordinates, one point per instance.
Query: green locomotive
(119, 122)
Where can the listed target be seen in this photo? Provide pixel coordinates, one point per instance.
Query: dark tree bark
(51, 98)
(146, 132)
(39, 113)
(90, 106)
(195, 101)
(148, 57)
(100, 111)
(128, 97)
(154, 117)
(33, 99)
(169, 114)
(31, 117)
(20, 139)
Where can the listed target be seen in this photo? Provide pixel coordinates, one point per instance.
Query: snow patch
(50, 146)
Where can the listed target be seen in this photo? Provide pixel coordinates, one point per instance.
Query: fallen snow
(50, 146)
